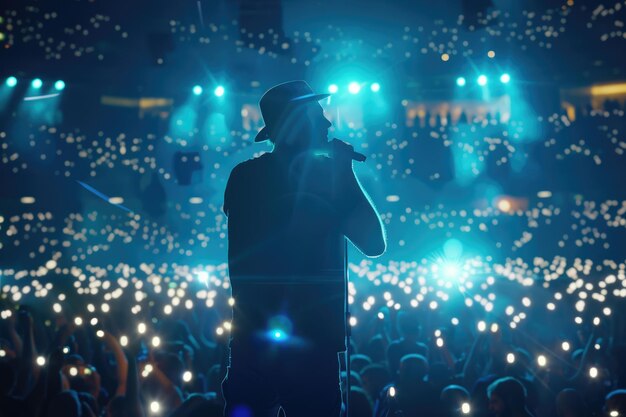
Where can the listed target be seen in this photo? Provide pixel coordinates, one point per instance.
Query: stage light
(41, 361)
(187, 376)
(280, 328)
(333, 88)
(375, 87)
(155, 407)
(565, 346)
(450, 270)
(505, 78)
(461, 81)
(156, 341)
(510, 358)
(354, 87)
(465, 408)
(197, 90)
(219, 91)
(593, 372)
(277, 335)
(36, 83)
(392, 391)
(11, 81)
(482, 80)
(59, 85)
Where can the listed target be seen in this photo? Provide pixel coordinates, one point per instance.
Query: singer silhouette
(289, 212)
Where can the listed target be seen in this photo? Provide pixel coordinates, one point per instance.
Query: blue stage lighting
(197, 90)
(482, 80)
(354, 87)
(375, 87)
(505, 78)
(277, 335)
(219, 91)
(36, 83)
(11, 82)
(279, 328)
(461, 81)
(333, 88)
(451, 270)
(59, 85)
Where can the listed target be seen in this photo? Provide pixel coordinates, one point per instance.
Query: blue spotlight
(461, 81)
(279, 329)
(354, 87)
(333, 88)
(11, 81)
(451, 270)
(505, 78)
(277, 335)
(375, 87)
(59, 85)
(36, 83)
(219, 91)
(197, 90)
(482, 80)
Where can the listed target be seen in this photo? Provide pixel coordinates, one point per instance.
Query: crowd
(154, 340)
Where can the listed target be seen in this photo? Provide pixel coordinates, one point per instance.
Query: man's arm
(360, 221)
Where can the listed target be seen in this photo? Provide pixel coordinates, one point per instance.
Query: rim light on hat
(280, 98)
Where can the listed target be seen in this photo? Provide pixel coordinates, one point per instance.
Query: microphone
(356, 156)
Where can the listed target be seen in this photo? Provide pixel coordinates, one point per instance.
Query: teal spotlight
(59, 85)
(461, 81)
(354, 87)
(219, 91)
(505, 78)
(11, 81)
(197, 90)
(36, 83)
(277, 335)
(482, 80)
(333, 88)
(375, 87)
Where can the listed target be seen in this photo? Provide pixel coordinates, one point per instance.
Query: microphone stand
(348, 327)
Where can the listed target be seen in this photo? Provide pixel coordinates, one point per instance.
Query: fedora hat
(281, 98)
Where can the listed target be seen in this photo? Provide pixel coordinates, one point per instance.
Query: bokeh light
(11, 81)
(354, 87)
(219, 91)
